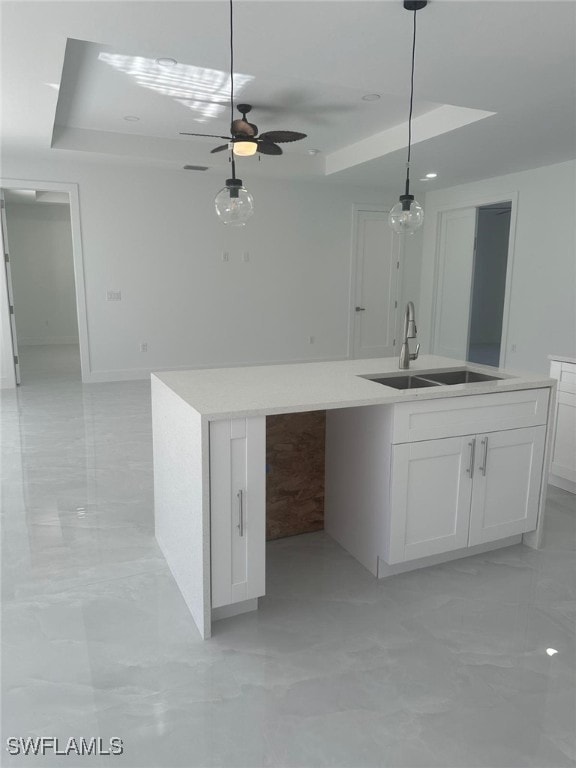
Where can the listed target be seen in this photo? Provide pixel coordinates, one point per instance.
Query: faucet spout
(410, 331)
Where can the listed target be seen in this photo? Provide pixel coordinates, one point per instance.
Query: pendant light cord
(232, 82)
(231, 64)
(411, 103)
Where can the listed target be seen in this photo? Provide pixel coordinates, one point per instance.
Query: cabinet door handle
(240, 525)
(470, 469)
(484, 442)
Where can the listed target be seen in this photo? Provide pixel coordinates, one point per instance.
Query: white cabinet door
(430, 497)
(507, 477)
(237, 509)
(564, 446)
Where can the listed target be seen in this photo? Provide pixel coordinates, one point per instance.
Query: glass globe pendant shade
(406, 216)
(234, 204)
(245, 148)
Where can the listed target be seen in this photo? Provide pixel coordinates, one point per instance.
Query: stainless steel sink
(431, 379)
(459, 377)
(403, 382)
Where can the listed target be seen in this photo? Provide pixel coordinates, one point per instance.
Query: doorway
(40, 278)
(374, 284)
(43, 305)
(471, 294)
(489, 283)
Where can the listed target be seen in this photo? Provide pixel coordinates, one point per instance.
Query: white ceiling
(306, 66)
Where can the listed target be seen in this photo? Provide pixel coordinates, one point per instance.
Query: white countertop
(562, 359)
(219, 393)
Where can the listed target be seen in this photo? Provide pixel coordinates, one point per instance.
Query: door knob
(360, 309)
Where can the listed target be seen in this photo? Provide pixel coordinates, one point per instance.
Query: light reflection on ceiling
(204, 91)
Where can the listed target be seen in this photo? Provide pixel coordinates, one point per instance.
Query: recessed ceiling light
(371, 97)
(164, 61)
(551, 651)
(131, 118)
(431, 175)
(313, 151)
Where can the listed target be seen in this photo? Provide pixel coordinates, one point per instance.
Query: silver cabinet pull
(240, 525)
(470, 469)
(360, 309)
(484, 442)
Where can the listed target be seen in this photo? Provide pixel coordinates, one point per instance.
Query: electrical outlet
(225, 256)
(310, 339)
(246, 256)
(114, 295)
(144, 346)
(513, 348)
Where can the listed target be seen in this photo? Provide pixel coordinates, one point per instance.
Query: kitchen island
(414, 476)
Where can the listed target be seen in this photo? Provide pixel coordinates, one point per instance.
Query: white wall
(42, 273)
(152, 233)
(543, 290)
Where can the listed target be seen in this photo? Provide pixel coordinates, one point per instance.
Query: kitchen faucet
(409, 333)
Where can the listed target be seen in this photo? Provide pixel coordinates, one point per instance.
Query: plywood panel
(295, 473)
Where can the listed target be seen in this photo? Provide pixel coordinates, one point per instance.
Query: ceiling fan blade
(219, 149)
(282, 136)
(206, 135)
(268, 148)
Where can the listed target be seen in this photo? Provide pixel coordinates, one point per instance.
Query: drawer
(470, 414)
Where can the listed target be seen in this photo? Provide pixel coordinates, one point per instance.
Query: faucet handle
(414, 355)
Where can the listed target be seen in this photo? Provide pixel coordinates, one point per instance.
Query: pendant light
(408, 215)
(234, 204)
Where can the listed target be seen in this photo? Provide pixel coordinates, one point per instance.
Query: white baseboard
(37, 341)
(385, 570)
(227, 611)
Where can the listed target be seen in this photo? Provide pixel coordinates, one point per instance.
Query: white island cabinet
(413, 476)
(563, 466)
(433, 484)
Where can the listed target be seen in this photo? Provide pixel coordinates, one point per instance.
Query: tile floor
(442, 667)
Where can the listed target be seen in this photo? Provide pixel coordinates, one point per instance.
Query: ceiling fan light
(245, 148)
(234, 204)
(406, 216)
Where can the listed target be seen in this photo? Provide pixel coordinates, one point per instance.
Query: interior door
(9, 289)
(454, 284)
(376, 285)
(506, 483)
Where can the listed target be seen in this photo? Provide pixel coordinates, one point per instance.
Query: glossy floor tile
(447, 666)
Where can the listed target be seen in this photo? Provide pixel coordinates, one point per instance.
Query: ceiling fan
(245, 139)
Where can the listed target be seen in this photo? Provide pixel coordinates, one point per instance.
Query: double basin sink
(432, 379)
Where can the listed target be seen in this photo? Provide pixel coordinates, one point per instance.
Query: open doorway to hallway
(471, 290)
(45, 337)
(489, 283)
